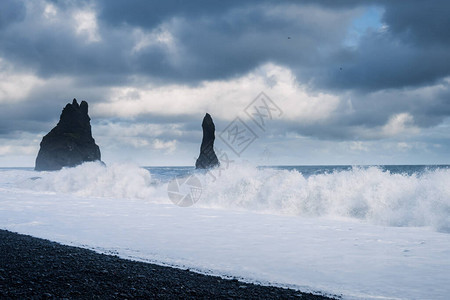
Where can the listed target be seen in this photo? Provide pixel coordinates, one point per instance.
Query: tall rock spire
(207, 158)
(70, 143)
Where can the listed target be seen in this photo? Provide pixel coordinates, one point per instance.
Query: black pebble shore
(33, 268)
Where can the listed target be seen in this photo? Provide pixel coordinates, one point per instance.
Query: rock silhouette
(207, 158)
(70, 143)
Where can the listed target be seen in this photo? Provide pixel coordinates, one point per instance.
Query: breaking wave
(370, 193)
(94, 179)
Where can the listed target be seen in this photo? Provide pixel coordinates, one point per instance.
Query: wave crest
(93, 179)
(370, 194)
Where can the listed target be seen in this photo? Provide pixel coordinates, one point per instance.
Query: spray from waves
(93, 179)
(369, 194)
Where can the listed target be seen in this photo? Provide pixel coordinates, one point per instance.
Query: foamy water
(361, 232)
(371, 194)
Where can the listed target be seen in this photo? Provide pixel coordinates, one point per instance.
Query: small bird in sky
(289, 37)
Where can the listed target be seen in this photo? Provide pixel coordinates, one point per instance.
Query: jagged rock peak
(207, 158)
(70, 142)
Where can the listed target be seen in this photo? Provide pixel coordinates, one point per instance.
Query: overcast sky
(355, 82)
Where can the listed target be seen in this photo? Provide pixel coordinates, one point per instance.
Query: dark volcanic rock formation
(207, 158)
(70, 143)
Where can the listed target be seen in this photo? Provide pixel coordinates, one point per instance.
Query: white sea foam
(369, 194)
(364, 193)
(313, 232)
(95, 180)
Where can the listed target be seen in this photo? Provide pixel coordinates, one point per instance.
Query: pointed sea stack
(207, 158)
(70, 143)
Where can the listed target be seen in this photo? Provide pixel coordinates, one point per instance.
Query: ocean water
(357, 231)
(393, 195)
(413, 195)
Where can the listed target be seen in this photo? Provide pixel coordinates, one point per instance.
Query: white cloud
(116, 136)
(118, 129)
(402, 146)
(17, 150)
(358, 146)
(50, 11)
(223, 99)
(400, 124)
(168, 146)
(22, 144)
(15, 86)
(86, 24)
(160, 37)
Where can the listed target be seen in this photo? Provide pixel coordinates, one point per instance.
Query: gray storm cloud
(89, 49)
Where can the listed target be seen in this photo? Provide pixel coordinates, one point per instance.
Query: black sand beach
(33, 268)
